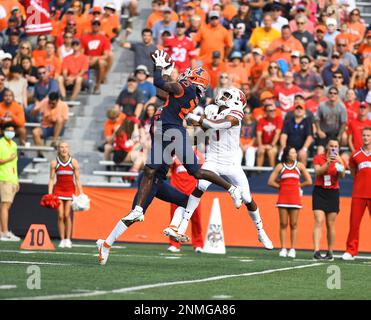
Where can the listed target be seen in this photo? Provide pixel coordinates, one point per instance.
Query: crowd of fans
(50, 51)
(303, 65)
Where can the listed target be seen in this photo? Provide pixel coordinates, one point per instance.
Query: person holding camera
(328, 167)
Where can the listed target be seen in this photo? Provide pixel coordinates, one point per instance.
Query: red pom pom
(50, 201)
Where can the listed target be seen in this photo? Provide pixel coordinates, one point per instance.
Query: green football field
(145, 272)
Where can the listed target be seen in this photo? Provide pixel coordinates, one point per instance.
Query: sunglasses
(273, 67)
(223, 77)
(355, 14)
(270, 110)
(214, 18)
(71, 24)
(337, 77)
(363, 107)
(300, 23)
(41, 73)
(42, 39)
(26, 48)
(333, 93)
(341, 45)
(304, 62)
(335, 57)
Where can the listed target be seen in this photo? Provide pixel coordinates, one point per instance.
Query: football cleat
(172, 233)
(317, 256)
(264, 239)
(134, 216)
(103, 252)
(236, 195)
(199, 250)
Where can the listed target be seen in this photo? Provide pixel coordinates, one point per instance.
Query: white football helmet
(230, 98)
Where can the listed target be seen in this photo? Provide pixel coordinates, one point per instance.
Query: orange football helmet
(198, 76)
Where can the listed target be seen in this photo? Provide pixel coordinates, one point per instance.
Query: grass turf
(75, 274)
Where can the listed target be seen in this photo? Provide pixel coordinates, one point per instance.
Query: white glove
(193, 117)
(169, 70)
(159, 59)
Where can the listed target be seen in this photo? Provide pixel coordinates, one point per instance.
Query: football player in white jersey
(223, 123)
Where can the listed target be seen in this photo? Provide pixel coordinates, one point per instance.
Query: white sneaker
(9, 236)
(103, 252)
(68, 243)
(171, 233)
(263, 238)
(347, 256)
(236, 196)
(283, 253)
(292, 253)
(134, 215)
(62, 244)
(173, 249)
(199, 250)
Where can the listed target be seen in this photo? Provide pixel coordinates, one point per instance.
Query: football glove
(159, 59)
(169, 70)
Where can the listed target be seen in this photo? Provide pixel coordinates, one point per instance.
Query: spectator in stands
(318, 97)
(12, 113)
(215, 68)
(213, 37)
(332, 32)
(54, 118)
(356, 126)
(9, 184)
(223, 83)
(347, 58)
(98, 48)
(156, 14)
(252, 101)
(268, 132)
(130, 100)
(328, 167)
(146, 123)
(262, 37)
(6, 63)
(66, 48)
(356, 26)
(259, 65)
(306, 79)
(297, 132)
(18, 85)
(126, 146)
(45, 85)
(165, 24)
(270, 78)
(334, 66)
(25, 50)
(337, 82)
(194, 26)
(248, 138)
(235, 69)
(278, 20)
(285, 93)
(242, 27)
(113, 122)
(282, 47)
(13, 44)
(331, 118)
(302, 34)
(2, 87)
(358, 82)
(75, 71)
(110, 22)
(29, 72)
(66, 170)
(319, 36)
(142, 50)
(286, 178)
(146, 87)
(51, 61)
(180, 43)
(39, 53)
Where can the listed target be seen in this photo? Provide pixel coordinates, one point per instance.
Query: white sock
(255, 217)
(177, 217)
(231, 188)
(116, 233)
(138, 208)
(192, 204)
(183, 226)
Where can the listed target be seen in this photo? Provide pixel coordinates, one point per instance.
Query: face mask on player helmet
(238, 99)
(223, 96)
(198, 76)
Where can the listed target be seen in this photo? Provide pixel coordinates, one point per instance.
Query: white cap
(331, 21)
(258, 51)
(295, 54)
(6, 55)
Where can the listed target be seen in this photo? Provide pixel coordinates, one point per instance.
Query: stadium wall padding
(110, 205)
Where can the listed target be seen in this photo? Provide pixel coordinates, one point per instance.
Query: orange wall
(109, 205)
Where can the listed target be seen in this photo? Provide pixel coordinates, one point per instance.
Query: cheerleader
(68, 177)
(286, 177)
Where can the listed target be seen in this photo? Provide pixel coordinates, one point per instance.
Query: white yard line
(34, 262)
(8, 287)
(164, 284)
(94, 246)
(357, 257)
